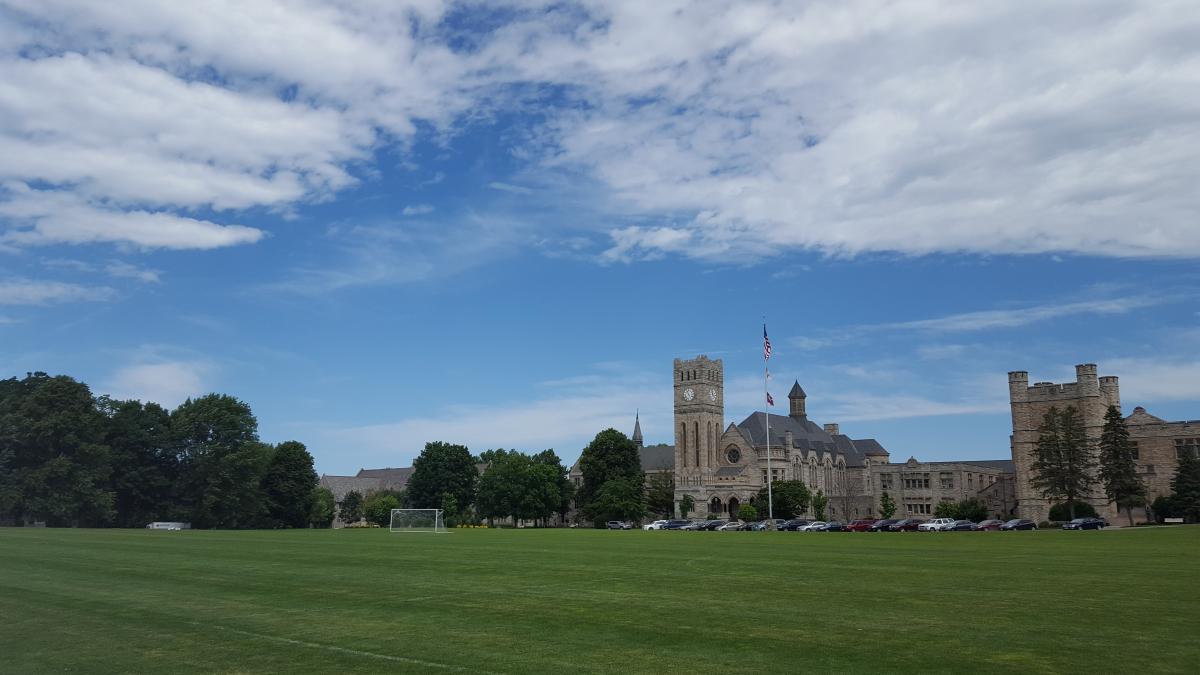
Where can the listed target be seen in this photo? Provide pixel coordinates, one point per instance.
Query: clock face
(689, 394)
(733, 455)
(712, 395)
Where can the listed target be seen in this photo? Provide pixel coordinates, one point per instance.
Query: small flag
(766, 344)
(770, 401)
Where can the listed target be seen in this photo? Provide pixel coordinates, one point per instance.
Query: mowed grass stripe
(594, 601)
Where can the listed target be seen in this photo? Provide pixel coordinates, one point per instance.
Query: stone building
(364, 482)
(918, 487)
(1159, 444)
(722, 467)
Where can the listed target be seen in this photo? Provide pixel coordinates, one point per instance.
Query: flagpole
(767, 415)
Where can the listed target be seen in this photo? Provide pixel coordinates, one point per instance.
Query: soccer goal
(417, 520)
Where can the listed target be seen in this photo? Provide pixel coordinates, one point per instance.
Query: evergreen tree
(1062, 459)
(1185, 487)
(887, 506)
(1118, 471)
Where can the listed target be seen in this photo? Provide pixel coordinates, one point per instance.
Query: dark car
(694, 525)
(712, 525)
(960, 526)
(1019, 524)
(882, 525)
(1085, 524)
(833, 526)
(992, 524)
(794, 524)
(860, 525)
(676, 524)
(906, 525)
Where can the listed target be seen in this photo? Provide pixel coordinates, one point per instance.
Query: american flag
(770, 401)
(766, 344)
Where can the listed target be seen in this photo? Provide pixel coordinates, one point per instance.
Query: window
(916, 482)
(970, 482)
(947, 480)
(913, 508)
(885, 481)
(1133, 449)
(1187, 447)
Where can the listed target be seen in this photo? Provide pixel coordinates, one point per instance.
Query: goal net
(417, 520)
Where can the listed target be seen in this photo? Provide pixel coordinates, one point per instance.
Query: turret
(1085, 377)
(1110, 391)
(1018, 386)
(796, 400)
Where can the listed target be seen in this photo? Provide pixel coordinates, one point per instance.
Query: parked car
(1019, 524)
(861, 525)
(935, 525)
(794, 524)
(676, 524)
(992, 524)
(960, 526)
(906, 525)
(732, 526)
(712, 525)
(692, 525)
(656, 525)
(882, 525)
(833, 526)
(1085, 524)
(619, 525)
(814, 526)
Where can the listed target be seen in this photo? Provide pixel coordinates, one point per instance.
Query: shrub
(1045, 524)
(1061, 513)
(747, 513)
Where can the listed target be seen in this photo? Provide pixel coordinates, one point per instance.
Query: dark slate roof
(1005, 465)
(637, 430)
(341, 486)
(797, 391)
(389, 479)
(659, 457)
(806, 435)
(869, 446)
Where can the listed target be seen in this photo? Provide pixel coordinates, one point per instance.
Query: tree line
(1067, 465)
(69, 458)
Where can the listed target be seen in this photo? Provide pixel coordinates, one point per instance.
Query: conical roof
(797, 391)
(637, 429)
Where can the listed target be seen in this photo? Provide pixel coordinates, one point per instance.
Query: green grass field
(553, 601)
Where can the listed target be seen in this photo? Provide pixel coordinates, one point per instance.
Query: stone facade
(1159, 443)
(918, 487)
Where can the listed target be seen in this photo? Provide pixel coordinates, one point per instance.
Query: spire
(796, 400)
(637, 429)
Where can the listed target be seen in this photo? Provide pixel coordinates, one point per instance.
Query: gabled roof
(341, 486)
(389, 479)
(659, 457)
(806, 435)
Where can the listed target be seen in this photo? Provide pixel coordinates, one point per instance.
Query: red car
(861, 525)
(988, 525)
(906, 525)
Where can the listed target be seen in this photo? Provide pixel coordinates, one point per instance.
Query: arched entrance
(733, 507)
(714, 507)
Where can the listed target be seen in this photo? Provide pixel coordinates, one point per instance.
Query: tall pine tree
(1118, 471)
(1186, 488)
(1062, 459)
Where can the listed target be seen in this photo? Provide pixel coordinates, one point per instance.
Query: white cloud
(1148, 380)
(33, 292)
(732, 130)
(126, 270)
(167, 383)
(417, 210)
(1011, 318)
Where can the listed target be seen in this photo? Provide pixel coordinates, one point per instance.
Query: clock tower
(699, 417)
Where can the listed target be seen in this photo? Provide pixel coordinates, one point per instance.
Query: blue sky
(386, 225)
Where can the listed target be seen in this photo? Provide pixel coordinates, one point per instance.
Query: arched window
(683, 441)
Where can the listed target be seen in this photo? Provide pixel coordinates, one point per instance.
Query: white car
(814, 526)
(656, 525)
(936, 525)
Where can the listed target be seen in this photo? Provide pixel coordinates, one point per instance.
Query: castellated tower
(1090, 395)
(699, 414)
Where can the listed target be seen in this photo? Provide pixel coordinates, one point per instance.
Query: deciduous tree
(1118, 470)
(610, 456)
(443, 469)
(887, 506)
(352, 507)
(323, 506)
(686, 504)
(145, 467)
(660, 495)
(791, 498)
(819, 502)
(747, 513)
(617, 499)
(288, 485)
